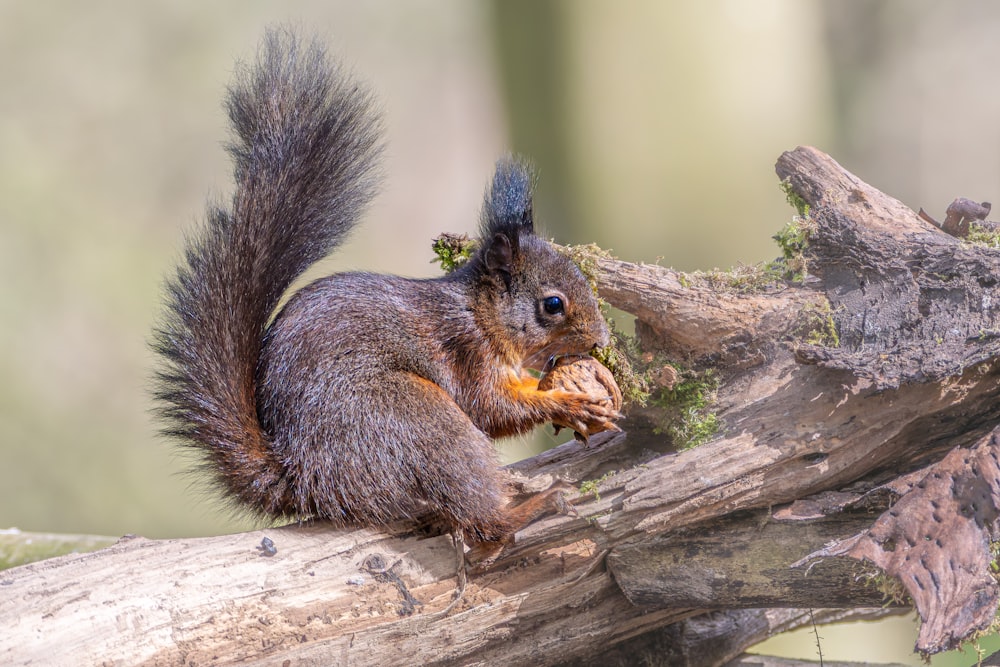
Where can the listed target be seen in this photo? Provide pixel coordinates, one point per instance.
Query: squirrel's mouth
(545, 360)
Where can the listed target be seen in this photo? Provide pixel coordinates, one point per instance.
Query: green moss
(793, 239)
(794, 199)
(687, 409)
(892, 590)
(792, 266)
(983, 236)
(696, 427)
(589, 487)
(585, 257)
(453, 250)
(742, 279)
(621, 357)
(815, 325)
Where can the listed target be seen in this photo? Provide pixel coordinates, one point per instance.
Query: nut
(584, 375)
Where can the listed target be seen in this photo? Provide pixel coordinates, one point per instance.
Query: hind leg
(389, 447)
(402, 449)
(458, 473)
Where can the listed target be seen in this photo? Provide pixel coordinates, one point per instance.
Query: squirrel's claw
(594, 420)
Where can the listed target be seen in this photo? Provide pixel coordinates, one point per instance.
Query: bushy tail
(305, 149)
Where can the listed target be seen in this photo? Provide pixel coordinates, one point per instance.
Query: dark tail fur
(305, 149)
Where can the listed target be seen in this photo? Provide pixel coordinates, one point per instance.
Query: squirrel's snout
(602, 337)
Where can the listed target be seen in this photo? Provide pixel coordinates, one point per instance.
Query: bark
(856, 406)
(767, 661)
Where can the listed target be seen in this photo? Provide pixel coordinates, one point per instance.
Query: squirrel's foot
(588, 415)
(553, 500)
(588, 426)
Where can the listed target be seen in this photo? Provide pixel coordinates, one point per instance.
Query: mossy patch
(589, 487)
(688, 417)
(815, 325)
(621, 357)
(585, 257)
(794, 199)
(792, 266)
(892, 590)
(452, 251)
(983, 235)
(742, 279)
(793, 239)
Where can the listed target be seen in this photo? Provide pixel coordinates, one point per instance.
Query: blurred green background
(654, 126)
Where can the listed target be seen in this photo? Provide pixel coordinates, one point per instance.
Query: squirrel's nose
(602, 336)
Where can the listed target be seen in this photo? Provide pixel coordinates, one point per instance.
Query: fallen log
(845, 394)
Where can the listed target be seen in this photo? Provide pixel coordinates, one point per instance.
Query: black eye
(553, 305)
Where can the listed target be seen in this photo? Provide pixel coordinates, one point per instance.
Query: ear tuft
(506, 216)
(508, 205)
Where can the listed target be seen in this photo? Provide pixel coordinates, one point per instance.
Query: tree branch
(838, 395)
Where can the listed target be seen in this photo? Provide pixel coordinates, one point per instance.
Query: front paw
(594, 400)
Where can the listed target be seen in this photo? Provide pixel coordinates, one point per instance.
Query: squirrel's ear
(498, 255)
(506, 215)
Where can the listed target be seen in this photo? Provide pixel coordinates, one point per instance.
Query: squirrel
(365, 399)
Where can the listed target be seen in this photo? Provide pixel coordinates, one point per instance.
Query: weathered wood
(936, 540)
(315, 600)
(746, 563)
(771, 661)
(718, 638)
(912, 377)
(693, 320)
(911, 303)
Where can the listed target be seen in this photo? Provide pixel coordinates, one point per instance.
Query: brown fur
(369, 398)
